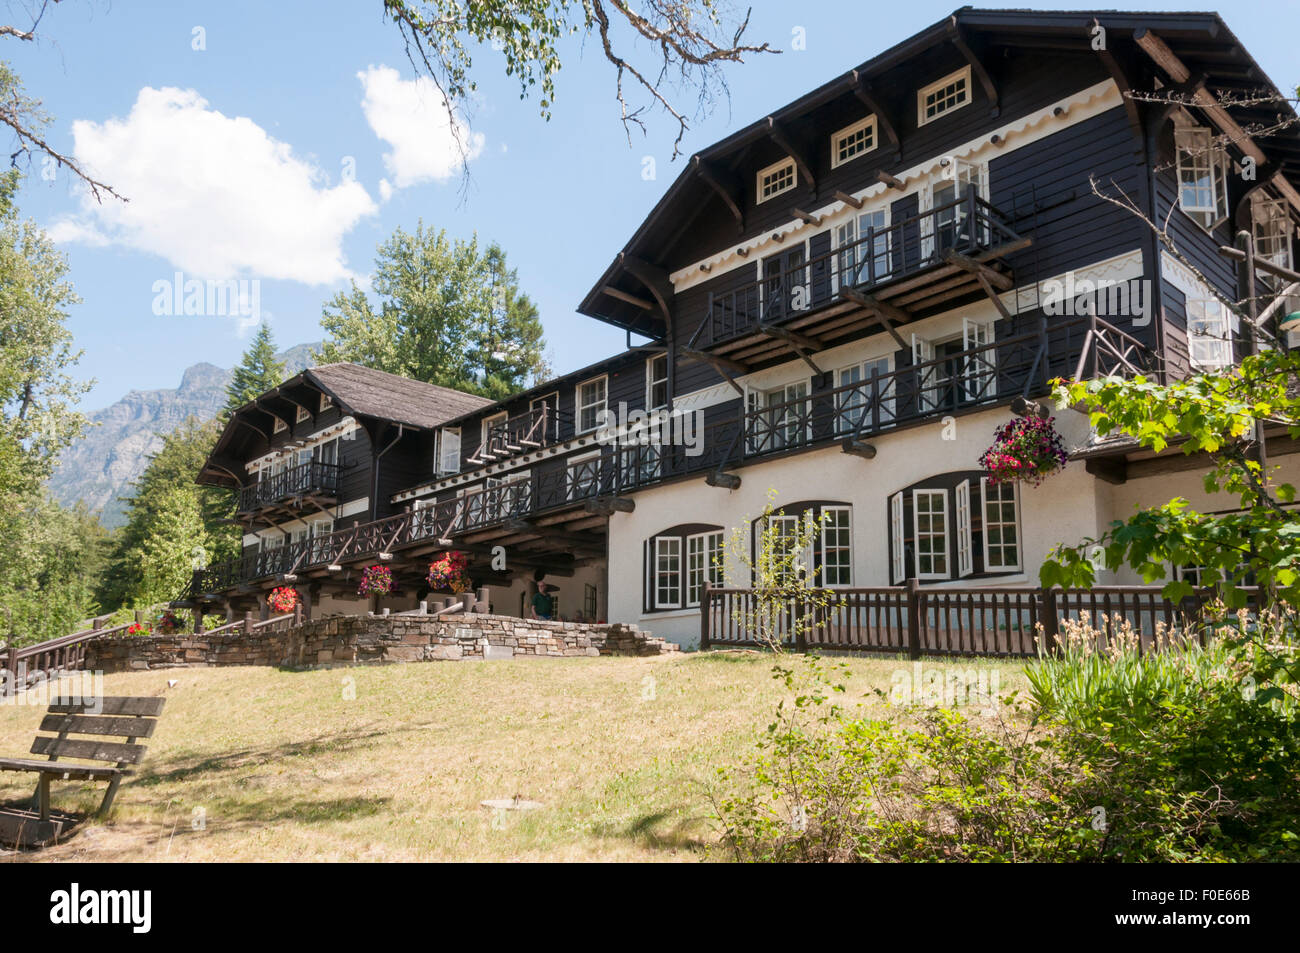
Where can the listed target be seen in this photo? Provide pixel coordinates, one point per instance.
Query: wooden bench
(129, 718)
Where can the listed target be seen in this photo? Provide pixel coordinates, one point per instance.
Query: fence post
(914, 597)
(1048, 618)
(198, 620)
(297, 614)
(706, 597)
(248, 624)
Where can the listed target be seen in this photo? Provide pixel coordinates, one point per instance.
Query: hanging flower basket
(376, 581)
(1024, 449)
(168, 623)
(448, 573)
(284, 599)
(139, 628)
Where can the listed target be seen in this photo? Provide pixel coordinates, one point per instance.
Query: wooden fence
(920, 621)
(24, 665)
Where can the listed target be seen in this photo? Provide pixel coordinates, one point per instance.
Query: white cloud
(214, 195)
(411, 116)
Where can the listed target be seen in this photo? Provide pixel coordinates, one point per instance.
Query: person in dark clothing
(543, 605)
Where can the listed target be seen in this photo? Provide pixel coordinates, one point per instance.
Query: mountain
(102, 465)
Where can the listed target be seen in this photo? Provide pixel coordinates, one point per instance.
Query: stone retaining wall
(394, 638)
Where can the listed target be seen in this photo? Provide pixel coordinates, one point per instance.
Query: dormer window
(776, 179)
(853, 141)
(303, 414)
(279, 425)
(938, 99)
(1202, 175)
(326, 402)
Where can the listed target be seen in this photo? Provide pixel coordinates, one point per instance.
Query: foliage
(168, 623)
(139, 628)
(283, 599)
(375, 581)
(448, 313)
(777, 569)
(1217, 415)
(172, 523)
(257, 373)
(449, 573)
(1024, 449)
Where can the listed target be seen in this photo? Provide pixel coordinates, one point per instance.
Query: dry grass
(283, 767)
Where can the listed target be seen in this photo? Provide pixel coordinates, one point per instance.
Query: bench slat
(89, 772)
(88, 750)
(125, 727)
(147, 707)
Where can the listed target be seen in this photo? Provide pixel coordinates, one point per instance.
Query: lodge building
(846, 298)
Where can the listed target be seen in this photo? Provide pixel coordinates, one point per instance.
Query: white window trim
(302, 414)
(579, 406)
(654, 571)
(962, 74)
(899, 560)
(651, 380)
(1223, 344)
(869, 122)
(973, 334)
(569, 467)
(965, 547)
(707, 569)
(280, 426)
(984, 523)
(486, 425)
(326, 401)
(442, 450)
(789, 162)
(916, 535)
(824, 527)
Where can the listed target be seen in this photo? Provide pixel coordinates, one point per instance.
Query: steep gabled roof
(366, 392)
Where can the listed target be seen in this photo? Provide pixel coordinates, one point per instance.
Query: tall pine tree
(258, 372)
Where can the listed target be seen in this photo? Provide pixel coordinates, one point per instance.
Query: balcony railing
(302, 480)
(967, 380)
(540, 427)
(906, 248)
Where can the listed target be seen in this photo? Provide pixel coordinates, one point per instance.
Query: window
(1202, 175)
(837, 547)
(1272, 226)
(1001, 526)
(320, 532)
(898, 559)
(776, 179)
(930, 380)
(328, 452)
(778, 418)
(486, 435)
(449, 459)
(590, 609)
(856, 140)
(945, 208)
(668, 572)
(703, 563)
(279, 425)
(326, 401)
(583, 476)
(1209, 334)
(979, 375)
(863, 395)
(864, 245)
(938, 99)
(930, 532)
(303, 414)
(656, 382)
(591, 399)
(965, 554)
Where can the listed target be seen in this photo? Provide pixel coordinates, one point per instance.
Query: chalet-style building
(842, 300)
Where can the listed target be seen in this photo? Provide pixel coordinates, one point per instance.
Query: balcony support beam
(885, 313)
(724, 366)
(607, 505)
(801, 344)
(727, 481)
(978, 268)
(859, 448)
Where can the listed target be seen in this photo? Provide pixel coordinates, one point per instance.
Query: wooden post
(800, 624)
(297, 614)
(914, 597)
(1051, 624)
(198, 620)
(706, 597)
(466, 600)
(248, 624)
(139, 615)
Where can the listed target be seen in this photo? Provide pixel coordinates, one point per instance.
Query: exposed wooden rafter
(642, 303)
(976, 65)
(656, 281)
(778, 135)
(727, 481)
(884, 121)
(801, 344)
(885, 313)
(726, 367)
(1125, 84)
(728, 191)
(890, 180)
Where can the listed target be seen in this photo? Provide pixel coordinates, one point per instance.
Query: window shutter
(899, 568)
(965, 562)
(450, 451)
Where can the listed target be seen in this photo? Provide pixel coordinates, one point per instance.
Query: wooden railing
(537, 429)
(968, 225)
(917, 620)
(305, 478)
(24, 665)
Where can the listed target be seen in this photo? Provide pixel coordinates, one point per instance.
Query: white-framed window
(328, 452)
(326, 401)
(303, 414)
(280, 425)
(320, 532)
(853, 141)
(656, 382)
(931, 379)
(1202, 175)
(980, 372)
(485, 431)
(898, 561)
(449, 458)
(774, 419)
(864, 243)
(775, 179)
(837, 547)
(942, 97)
(1001, 526)
(703, 563)
(582, 476)
(930, 533)
(850, 404)
(947, 198)
(668, 572)
(965, 549)
(1209, 334)
(1272, 227)
(591, 397)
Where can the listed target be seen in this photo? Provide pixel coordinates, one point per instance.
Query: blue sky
(238, 157)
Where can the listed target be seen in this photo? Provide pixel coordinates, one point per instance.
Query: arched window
(829, 558)
(678, 562)
(954, 526)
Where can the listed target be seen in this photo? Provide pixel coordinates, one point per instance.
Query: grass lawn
(281, 765)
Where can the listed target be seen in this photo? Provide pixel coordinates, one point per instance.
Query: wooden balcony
(289, 489)
(885, 278)
(539, 428)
